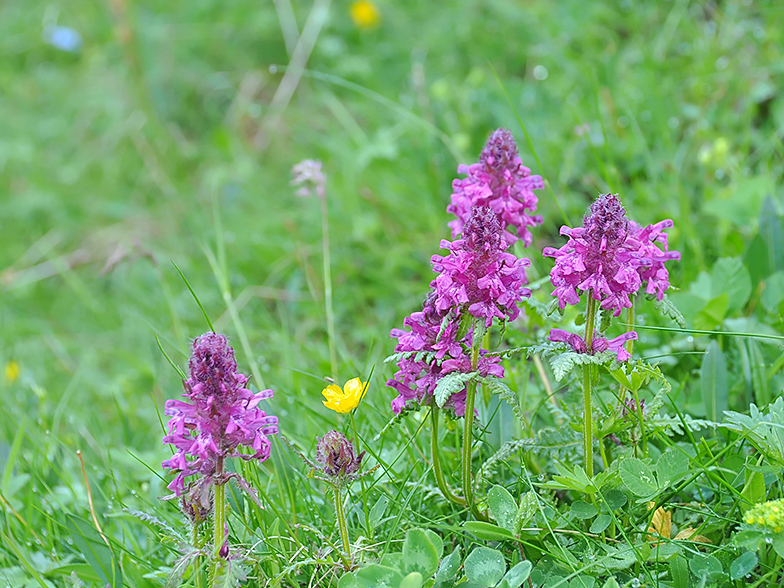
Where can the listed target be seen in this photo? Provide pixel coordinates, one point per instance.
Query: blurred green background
(168, 131)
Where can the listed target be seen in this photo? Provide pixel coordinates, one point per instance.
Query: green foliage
(450, 384)
(713, 380)
(171, 133)
(763, 429)
(647, 482)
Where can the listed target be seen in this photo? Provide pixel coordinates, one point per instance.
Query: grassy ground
(169, 137)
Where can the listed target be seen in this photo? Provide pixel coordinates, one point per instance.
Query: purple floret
(598, 345)
(220, 414)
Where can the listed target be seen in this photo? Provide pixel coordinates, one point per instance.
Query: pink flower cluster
(502, 182)
(478, 275)
(610, 257)
(434, 334)
(221, 415)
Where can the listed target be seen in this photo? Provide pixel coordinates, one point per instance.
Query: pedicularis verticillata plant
(220, 416)
(442, 359)
(608, 258)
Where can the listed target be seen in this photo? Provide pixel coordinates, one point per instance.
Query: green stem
(342, 525)
(590, 321)
(468, 493)
(442, 485)
(219, 517)
(638, 407)
(333, 355)
(197, 561)
(361, 480)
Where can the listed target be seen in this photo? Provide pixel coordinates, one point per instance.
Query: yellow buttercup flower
(12, 371)
(347, 399)
(365, 14)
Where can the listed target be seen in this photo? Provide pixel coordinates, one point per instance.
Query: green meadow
(146, 198)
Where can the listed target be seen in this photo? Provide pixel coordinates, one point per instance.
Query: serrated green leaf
(419, 554)
(497, 386)
(638, 478)
(485, 566)
(451, 384)
(611, 583)
(563, 363)
(503, 507)
(667, 308)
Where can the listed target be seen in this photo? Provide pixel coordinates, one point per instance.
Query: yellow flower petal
(332, 392)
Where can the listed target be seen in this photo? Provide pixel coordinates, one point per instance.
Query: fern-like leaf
(497, 386)
(450, 384)
(666, 308)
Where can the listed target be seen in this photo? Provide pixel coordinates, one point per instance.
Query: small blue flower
(63, 38)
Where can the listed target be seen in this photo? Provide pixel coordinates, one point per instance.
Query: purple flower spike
(502, 182)
(598, 345)
(601, 257)
(478, 275)
(220, 415)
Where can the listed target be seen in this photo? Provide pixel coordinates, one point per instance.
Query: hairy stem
(590, 321)
(468, 493)
(638, 407)
(442, 485)
(333, 354)
(197, 561)
(361, 480)
(219, 517)
(342, 525)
